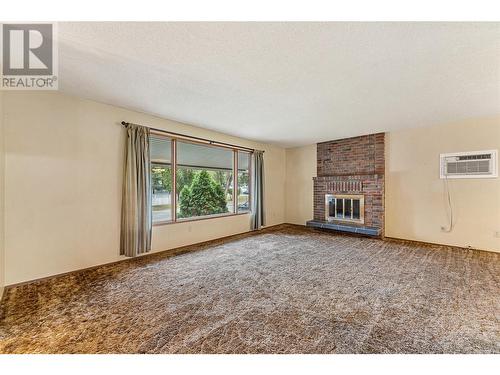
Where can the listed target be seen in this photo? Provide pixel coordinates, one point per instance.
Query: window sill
(198, 218)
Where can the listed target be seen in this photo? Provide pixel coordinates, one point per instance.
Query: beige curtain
(136, 220)
(258, 219)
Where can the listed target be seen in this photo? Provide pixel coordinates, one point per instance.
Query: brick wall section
(352, 156)
(352, 160)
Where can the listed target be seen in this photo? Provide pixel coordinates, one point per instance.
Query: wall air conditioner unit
(476, 164)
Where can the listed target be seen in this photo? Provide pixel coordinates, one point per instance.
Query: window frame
(173, 205)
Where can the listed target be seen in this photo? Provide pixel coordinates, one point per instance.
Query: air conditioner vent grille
(482, 164)
(474, 157)
(468, 167)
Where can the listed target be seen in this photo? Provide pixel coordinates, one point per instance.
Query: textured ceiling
(288, 83)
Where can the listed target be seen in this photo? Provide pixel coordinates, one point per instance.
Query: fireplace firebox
(341, 207)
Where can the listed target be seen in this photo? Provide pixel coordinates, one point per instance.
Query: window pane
(204, 180)
(243, 160)
(340, 208)
(347, 208)
(200, 156)
(161, 178)
(243, 181)
(331, 207)
(355, 209)
(160, 149)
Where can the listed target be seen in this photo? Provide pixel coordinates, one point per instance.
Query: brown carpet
(284, 291)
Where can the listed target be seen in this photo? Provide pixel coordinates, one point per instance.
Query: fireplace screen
(345, 208)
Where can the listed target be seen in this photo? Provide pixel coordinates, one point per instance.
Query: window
(161, 178)
(204, 180)
(243, 181)
(204, 183)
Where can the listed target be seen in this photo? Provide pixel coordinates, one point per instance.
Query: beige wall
(415, 199)
(300, 170)
(63, 170)
(2, 185)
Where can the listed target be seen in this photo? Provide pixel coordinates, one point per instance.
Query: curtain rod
(124, 123)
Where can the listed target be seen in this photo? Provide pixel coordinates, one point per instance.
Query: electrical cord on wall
(450, 205)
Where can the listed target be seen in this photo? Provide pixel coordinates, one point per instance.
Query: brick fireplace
(351, 167)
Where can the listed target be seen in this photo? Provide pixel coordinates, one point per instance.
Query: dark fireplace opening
(345, 208)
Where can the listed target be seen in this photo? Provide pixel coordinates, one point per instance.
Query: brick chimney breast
(352, 166)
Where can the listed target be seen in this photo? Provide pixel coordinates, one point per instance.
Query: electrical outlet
(497, 234)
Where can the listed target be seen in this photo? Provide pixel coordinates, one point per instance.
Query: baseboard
(396, 239)
(174, 251)
(301, 226)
